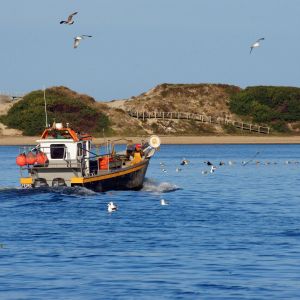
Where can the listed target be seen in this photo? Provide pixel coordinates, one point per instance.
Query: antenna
(46, 116)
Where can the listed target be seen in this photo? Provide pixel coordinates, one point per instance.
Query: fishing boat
(64, 157)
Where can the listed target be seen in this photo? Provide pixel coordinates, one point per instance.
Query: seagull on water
(256, 44)
(212, 169)
(78, 38)
(111, 207)
(163, 202)
(184, 162)
(70, 19)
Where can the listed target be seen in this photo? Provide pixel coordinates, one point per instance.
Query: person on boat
(138, 154)
(130, 148)
(53, 134)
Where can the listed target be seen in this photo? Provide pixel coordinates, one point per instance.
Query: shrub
(280, 126)
(268, 104)
(230, 129)
(63, 105)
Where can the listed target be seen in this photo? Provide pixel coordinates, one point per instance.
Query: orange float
(41, 158)
(30, 158)
(21, 160)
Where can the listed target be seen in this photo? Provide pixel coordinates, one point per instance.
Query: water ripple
(231, 234)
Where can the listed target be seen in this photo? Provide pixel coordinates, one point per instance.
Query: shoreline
(171, 140)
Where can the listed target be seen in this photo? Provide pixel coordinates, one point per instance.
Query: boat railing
(83, 163)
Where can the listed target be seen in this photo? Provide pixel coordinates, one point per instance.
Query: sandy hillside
(117, 104)
(208, 99)
(5, 104)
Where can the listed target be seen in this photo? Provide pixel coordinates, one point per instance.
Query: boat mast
(46, 116)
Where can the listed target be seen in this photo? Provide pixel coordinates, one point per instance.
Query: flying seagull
(70, 19)
(78, 38)
(256, 44)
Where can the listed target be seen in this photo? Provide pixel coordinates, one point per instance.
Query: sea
(233, 233)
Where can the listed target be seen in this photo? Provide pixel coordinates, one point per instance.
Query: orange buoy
(21, 160)
(30, 158)
(41, 158)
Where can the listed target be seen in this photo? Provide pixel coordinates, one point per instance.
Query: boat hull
(127, 179)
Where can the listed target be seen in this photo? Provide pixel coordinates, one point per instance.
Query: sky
(138, 44)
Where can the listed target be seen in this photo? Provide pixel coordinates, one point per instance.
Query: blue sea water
(231, 234)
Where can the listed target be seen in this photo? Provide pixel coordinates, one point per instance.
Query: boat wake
(73, 191)
(151, 185)
(10, 192)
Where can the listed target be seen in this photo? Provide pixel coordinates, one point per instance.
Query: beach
(263, 139)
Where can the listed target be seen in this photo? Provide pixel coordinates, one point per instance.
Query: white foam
(159, 187)
(74, 191)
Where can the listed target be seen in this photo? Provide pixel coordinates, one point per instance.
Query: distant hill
(278, 107)
(209, 99)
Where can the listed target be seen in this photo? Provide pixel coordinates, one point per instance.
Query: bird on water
(184, 162)
(164, 202)
(111, 207)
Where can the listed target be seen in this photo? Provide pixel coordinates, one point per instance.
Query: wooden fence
(198, 117)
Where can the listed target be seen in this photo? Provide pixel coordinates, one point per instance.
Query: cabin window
(79, 149)
(57, 151)
(84, 148)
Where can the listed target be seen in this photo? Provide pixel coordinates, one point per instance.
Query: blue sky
(138, 44)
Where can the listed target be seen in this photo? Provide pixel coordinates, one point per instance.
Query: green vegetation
(63, 105)
(275, 106)
(230, 129)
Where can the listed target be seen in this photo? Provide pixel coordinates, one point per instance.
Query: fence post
(198, 117)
